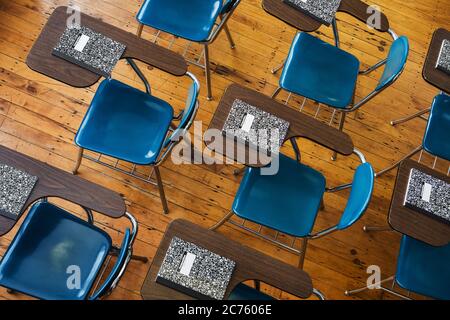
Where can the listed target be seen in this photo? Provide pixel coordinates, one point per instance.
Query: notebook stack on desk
(15, 189)
(89, 49)
(195, 271)
(257, 128)
(321, 10)
(443, 62)
(428, 195)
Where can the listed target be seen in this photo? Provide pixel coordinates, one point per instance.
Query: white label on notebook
(187, 263)
(81, 43)
(426, 192)
(247, 122)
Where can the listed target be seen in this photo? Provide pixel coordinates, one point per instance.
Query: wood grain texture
(41, 59)
(250, 264)
(301, 125)
(54, 182)
(434, 76)
(411, 222)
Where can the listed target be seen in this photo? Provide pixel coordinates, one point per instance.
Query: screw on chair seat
(244, 292)
(288, 201)
(423, 269)
(125, 123)
(192, 20)
(437, 134)
(320, 71)
(49, 241)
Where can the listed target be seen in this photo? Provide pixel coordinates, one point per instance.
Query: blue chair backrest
(437, 134)
(362, 189)
(398, 55)
(191, 103)
(121, 260)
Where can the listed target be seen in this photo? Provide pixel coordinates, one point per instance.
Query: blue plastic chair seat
(288, 201)
(48, 242)
(319, 71)
(125, 123)
(192, 20)
(244, 292)
(423, 269)
(437, 135)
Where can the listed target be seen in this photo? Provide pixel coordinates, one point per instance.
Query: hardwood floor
(40, 116)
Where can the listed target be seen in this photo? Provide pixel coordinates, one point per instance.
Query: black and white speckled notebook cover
(100, 55)
(443, 62)
(208, 278)
(15, 189)
(321, 10)
(439, 204)
(261, 136)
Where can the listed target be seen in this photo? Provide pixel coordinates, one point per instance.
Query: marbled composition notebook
(255, 127)
(443, 62)
(428, 195)
(195, 271)
(321, 10)
(15, 189)
(89, 49)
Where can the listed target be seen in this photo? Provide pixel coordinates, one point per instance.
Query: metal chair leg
(78, 163)
(139, 30)
(322, 205)
(278, 68)
(222, 221)
(230, 38)
(341, 128)
(408, 118)
(208, 73)
(409, 155)
(275, 94)
(376, 229)
(298, 155)
(162, 195)
(352, 292)
(301, 261)
(238, 172)
(115, 251)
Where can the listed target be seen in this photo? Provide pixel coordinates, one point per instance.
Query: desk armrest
(363, 12)
(285, 277)
(55, 182)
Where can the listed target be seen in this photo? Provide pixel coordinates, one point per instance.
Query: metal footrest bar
(419, 114)
(379, 286)
(376, 228)
(278, 68)
(185, 50)
(263, 236)
(115, 167)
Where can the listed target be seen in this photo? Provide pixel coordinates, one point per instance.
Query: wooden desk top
(413, 223)
(436, 77)
(304, 22)
(301, 125)
(40, 58)
(54, 182)
(250, 264)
